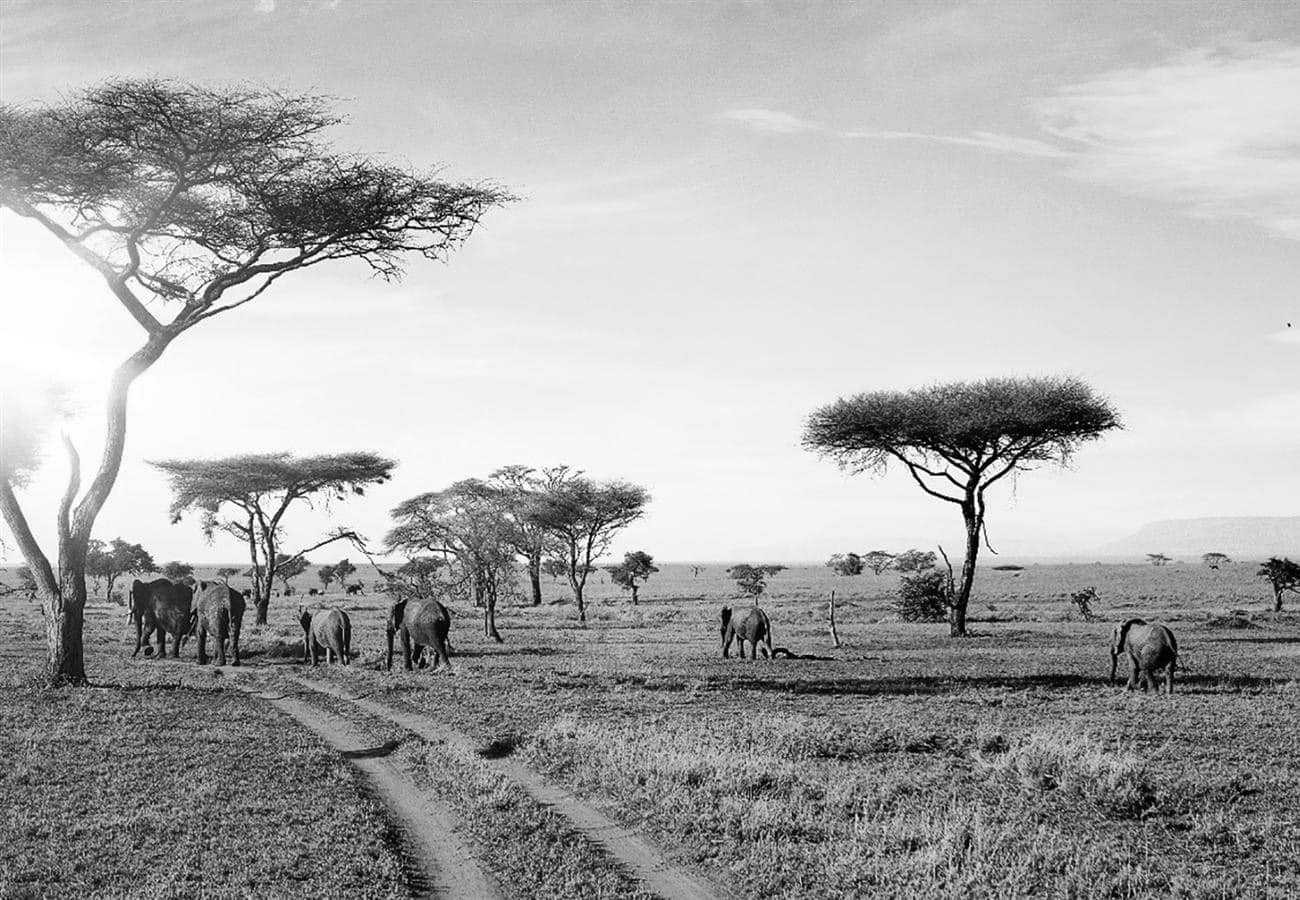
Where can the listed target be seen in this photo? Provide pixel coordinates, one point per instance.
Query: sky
(729, 215)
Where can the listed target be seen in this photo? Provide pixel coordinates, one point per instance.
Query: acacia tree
(878, 560)
(1158, 559)
(289, 567)
(190, 202)
(581, 517)
(633, 571)
(342, 569)
(519, 491)
(465, 525)
(225, 573)
(1283, 575)
(958, 440)
(326, 576)
(752, 580)
(915, 560)
(257, 490)
(1214, 560)
(109, 562)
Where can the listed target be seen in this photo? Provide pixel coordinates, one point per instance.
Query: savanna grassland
(904, 763)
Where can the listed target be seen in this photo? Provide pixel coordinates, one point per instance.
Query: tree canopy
(1283, 575)
(751, 580)
(957, 440)
(632, 572)
(846, 564)
(189, 202)
(581, 517)
(248, 496)
(110, 561)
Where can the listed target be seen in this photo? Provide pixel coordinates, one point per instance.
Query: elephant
(755, 628)
(421, 623)
(220, 611)
(164, 607)
(1150, 648)
(354, 589)
(328, 631)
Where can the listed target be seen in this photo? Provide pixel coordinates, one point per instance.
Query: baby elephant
(219, 611)
(1150, 648)
(754, 627)
(325, 631)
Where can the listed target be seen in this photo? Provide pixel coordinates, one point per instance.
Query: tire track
(438, 862)
(642, 859)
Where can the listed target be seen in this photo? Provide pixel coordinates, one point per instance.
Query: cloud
(769, 121)
(985, 140)
(264, 6)
(1288, 335)
(1216, 131)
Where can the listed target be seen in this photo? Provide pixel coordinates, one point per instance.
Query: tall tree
(248, 496)
(581, 517)
(190, 202)
(109, 562)
(1282, 575)
(519, 492)
(465, 525)
(958, 440)
(633, 572)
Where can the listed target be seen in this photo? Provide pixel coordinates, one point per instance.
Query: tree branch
(22, 532)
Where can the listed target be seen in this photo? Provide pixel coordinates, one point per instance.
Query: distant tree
(915, 560)
(190, 202)
(225, 572)
(519, 492)
(632, 572)
(878, 560)
(1158, 559)
(845, 564)
(176, 570)
(751, 581)
(554, 568)
(1283, 575)
(343, 569)
(581, 518)
(1083, 601)
(1214, 560)
(958, 440)
(288, 567)
(248, 496)
(419, 576)
(108, 562)
(696, 570)
(326, 575)
(467, 525)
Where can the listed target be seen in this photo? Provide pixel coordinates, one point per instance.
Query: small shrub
(1083, 601)
(924, 597)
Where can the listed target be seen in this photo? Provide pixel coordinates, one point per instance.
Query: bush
(1083, 600)
(924, 597)
(1119, 785)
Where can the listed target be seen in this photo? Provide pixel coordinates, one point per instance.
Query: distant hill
(1237, 536)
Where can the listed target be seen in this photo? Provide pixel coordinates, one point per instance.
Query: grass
(909, 764)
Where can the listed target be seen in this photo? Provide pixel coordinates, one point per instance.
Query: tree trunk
(577, 596)
(835, 635)
(957, 616)
(535, 576)
(490, 618)
(1277, 599)
(635, 589)
(64, 618)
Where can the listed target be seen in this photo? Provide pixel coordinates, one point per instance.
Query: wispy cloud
(985, 140)
(769, 121)
(1216, 131)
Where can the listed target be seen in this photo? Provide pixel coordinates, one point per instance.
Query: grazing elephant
(755, 628)
(1150, 648)
(327, 631)
(220, 611)
(164, 607)
(421, 623)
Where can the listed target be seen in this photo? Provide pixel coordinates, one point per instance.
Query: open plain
(628, 758)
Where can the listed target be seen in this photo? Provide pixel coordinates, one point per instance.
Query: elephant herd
(209, 608)
(1151, 648)
(183, 609)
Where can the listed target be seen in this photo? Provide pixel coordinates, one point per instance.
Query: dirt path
(439, 864)
(645, 861)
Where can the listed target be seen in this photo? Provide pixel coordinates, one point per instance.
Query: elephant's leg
(234, 642)
(176, 646)
(220, 637)
(315, 654)
(1169, 679)
(406, 649)
(203, 643)
(1133, 675)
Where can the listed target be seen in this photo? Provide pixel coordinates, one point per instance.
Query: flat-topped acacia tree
(958, 440)
(248, 496)
(190, 202)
